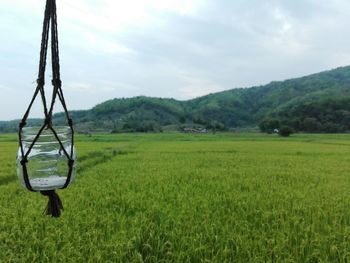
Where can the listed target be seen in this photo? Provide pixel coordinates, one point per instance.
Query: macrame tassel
(54, 205)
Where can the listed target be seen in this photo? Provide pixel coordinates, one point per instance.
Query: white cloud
(98, 87)
(117, 15)
(4, 88)
(96, 43)
(80, 87)
(196, 87)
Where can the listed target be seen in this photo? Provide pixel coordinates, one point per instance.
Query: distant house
(276, 130)
(194, 130)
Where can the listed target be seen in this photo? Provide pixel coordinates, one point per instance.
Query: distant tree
(330, 127)
(285, 131)
(215, 126)
(182, 119)
(311, 125)
(268, 125)
(114, 131)
(220, 126)
(126, 126)
(198, 119)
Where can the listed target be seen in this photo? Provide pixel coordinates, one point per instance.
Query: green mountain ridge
(316, 103)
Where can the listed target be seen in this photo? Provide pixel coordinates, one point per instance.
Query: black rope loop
(22, 124)
(70, 162)
(56, 83)
(70, 122)
(24, 161)
(48, 121)
(40, 82)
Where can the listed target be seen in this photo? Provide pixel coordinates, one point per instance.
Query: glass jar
(47, 165)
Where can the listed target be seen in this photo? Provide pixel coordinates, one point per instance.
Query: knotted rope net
(49, 29)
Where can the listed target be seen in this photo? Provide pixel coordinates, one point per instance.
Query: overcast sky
(168, 48)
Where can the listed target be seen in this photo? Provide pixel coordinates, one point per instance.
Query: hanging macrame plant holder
(46, 157)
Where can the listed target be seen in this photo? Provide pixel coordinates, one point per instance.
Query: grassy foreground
(187, 198)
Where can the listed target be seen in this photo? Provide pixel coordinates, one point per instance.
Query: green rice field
(175, 197)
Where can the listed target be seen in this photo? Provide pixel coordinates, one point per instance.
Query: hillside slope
(321, 99)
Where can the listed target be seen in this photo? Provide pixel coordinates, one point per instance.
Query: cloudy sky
(168, 48)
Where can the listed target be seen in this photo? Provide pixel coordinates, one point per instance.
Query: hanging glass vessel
(47, 165)
(46, 159)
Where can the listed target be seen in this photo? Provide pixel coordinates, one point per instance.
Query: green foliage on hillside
(315, 103)
(325, 115)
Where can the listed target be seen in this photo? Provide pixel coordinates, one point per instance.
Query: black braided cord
(50, 20)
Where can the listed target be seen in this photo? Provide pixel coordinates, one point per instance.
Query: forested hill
(315, 103)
